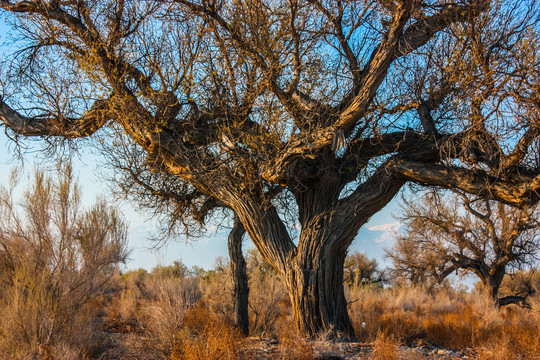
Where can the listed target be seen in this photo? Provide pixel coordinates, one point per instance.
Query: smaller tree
(454, 232)
(360, 270)
(418, 264)
(181, 211)
(521, 283)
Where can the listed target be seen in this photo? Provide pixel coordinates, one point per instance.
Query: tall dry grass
(208, 335)
(385, 347)
(163, 312)
(446, 318)
(189, 317)
(269, 304)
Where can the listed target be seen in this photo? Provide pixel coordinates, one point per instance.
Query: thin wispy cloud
(389, 231)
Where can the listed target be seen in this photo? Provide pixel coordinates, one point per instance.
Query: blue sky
(376, 235)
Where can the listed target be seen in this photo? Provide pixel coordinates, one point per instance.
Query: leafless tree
(359, 269)
(456, 233)
(329, 106)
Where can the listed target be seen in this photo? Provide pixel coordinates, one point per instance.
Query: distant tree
(521, 283)
(327, 107)
(418, 264)
(176, 270)
(454, 232)
(361, 270)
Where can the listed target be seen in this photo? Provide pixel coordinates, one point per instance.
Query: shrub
(385, 347)
(168, 302)
(207, 336)
(55, 260)
(448, 319)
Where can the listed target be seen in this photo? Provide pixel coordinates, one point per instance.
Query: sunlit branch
(519, 191)
(47, 125)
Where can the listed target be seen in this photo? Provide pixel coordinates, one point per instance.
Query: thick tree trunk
(495, 283)
(315, 279)
(241, 288)
(318, 301)
(491, 279)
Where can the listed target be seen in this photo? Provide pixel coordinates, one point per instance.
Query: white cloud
(386, 227)
(389, 231)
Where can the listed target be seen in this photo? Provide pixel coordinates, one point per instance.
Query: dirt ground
(132, 347)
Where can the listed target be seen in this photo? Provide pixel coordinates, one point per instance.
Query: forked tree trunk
(241, 288)
(493, 285)
(312, 271)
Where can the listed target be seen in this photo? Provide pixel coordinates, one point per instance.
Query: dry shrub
(295, 348)
(385, 347)
(499, 350)
(123, 312)
(454, 329)
(39, 322)
(269, 304)
(520, 331)
(55, 264)
(123, 308)
(447, 319)
(165, 307)
(366, 307)
(207, 336)
(404, 326)
(534, 301)
(217, 290)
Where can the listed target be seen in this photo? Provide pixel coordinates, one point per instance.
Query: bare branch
(518, 191)
(47, 125)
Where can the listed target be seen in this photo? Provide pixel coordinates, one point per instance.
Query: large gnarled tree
(329, 107)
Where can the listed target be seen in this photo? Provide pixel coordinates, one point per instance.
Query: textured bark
(84, 126)
(519, 191)
(492, 279)
(313, 274)
(495, 281)
(315, 286)
(491, 276)
(315, 278)
(241, 288)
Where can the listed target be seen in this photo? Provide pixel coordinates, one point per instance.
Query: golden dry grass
(180, 318)
(447, 319)
(206, 335)
(385, 347)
